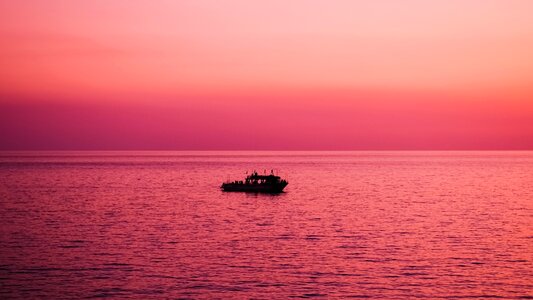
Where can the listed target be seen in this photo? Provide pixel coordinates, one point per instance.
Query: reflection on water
(350, 224)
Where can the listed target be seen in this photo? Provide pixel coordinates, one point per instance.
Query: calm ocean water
(350, 224)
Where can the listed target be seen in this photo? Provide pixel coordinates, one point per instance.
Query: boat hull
(254, 188)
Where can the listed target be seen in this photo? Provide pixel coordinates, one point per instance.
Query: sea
(361, 224)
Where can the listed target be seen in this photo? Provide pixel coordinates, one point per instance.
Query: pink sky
(325, 75)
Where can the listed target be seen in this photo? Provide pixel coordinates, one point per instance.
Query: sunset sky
(254, 75)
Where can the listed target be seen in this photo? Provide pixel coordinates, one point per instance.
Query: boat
(256, 183)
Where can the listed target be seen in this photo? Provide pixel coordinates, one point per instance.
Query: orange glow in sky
(198, 74)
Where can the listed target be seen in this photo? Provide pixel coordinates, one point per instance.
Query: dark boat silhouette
(257, 184)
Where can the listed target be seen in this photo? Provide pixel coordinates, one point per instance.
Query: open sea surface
(349, 224)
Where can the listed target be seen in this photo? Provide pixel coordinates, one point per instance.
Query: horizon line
(252, 150)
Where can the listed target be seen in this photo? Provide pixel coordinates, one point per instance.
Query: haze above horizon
(272, 75)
